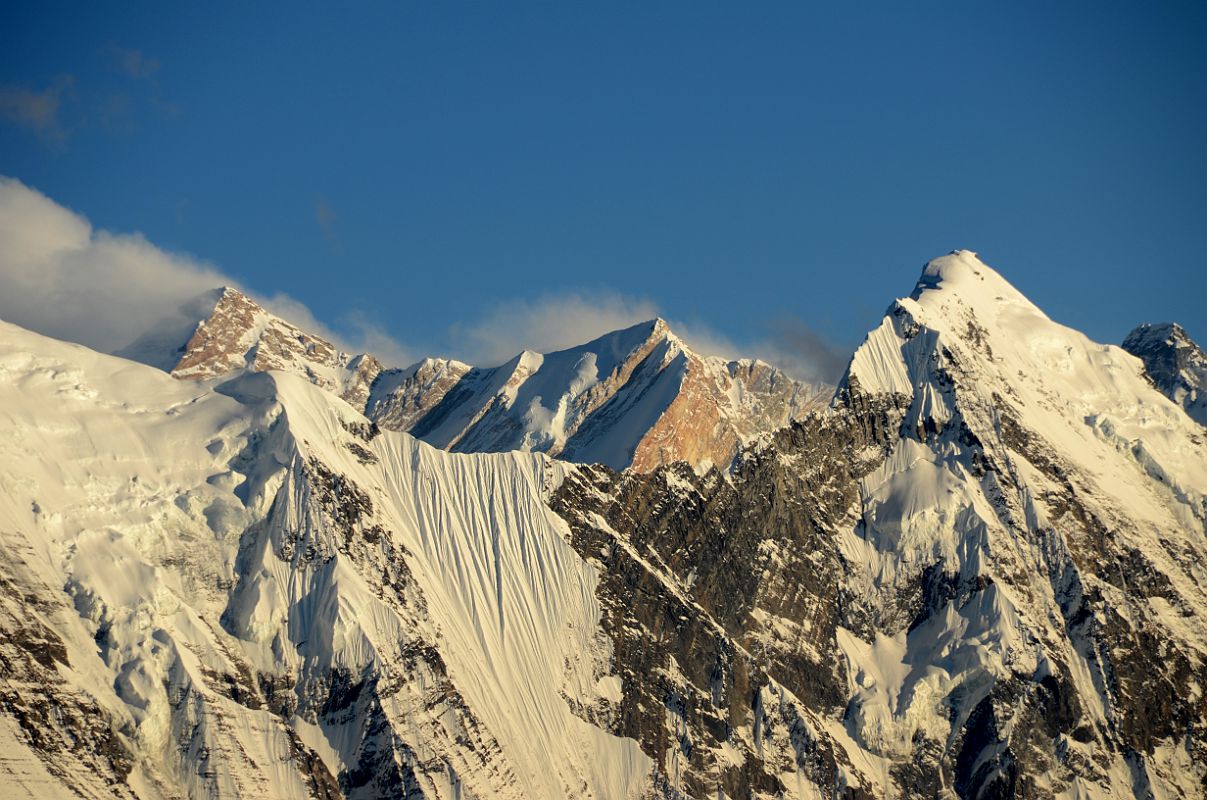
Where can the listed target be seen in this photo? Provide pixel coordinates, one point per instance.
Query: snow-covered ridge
(1032, 462)
(634, 397)
(267, 596)
(980, 573)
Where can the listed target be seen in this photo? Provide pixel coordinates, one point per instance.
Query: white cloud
(61, 277)
(552, 321)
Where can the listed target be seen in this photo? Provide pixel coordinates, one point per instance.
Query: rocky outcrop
(226, 332)
(724, 596)
(1175, 363)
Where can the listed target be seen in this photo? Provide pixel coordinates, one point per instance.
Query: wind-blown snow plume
(550, 322)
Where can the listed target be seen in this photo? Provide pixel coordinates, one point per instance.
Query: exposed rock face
(1175, 363)
(724, 597)
(232, 333)
(939, 589)
(633, 398)
(402, 397)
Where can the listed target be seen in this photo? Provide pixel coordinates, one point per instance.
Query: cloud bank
(60, 277)
(63, 278)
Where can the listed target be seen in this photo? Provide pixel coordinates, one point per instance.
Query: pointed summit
(963, 274)
(635, 397)
(223, 332)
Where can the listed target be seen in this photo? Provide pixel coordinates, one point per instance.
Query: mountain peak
(1174, 362)
(962, 273)
(224, 331)
(1169, 332)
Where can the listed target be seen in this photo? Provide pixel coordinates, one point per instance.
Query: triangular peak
(964, 274)
(625, 340)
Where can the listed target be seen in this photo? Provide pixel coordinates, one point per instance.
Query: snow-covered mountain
(245, 589)
(636, 397)
(981, 575)
(978, 573)
(1176, 364)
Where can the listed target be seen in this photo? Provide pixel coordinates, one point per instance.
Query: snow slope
(979, 573)
(266, 596)
(635, 397)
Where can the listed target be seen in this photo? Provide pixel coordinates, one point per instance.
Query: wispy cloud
(57, 111)
(798, 349)
(791, 344)
(325, 217)
(364, 334)
(132, 62)
(38, 111)
(551, 321)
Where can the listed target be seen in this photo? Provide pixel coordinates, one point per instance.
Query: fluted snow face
(266, 595)
(1029, 456)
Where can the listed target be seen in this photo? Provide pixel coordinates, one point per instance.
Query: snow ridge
(268, 595)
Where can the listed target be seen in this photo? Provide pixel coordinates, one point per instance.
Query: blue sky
(749, 170)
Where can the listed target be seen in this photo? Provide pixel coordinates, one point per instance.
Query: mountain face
(633, 398)
(247, 589)
(981, 575)
(978, 573)
(225, 332)
(1175, 364)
